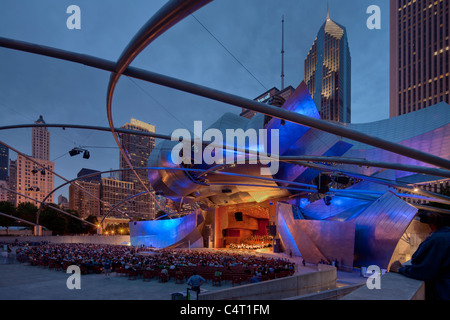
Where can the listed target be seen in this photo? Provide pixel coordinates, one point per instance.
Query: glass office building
(328, 72)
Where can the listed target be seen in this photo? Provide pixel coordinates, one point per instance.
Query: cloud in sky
(65, 92)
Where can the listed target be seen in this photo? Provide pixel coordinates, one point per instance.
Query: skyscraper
(419, 54)
(328, 72)
(113, 192)
(4, 162)
(12, 181)
(34, 181)
(40, 141)
(138, 149)
(84, 198)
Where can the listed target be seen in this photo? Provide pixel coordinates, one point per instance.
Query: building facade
(269, 97)
(4, 162)
(327, 70)
(63, 203)
(138, 149)
(112, 192)
(12, 181)
(3, 192)
(33, 181)
(419, 54)
(85, 194)
(28, 179)
(84, 198)
(40, 141)
(419, 60)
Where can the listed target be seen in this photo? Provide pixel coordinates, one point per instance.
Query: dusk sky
(69, 93)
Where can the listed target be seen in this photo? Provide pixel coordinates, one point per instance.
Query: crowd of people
(247, 246)
(253, 242)
(114, 257)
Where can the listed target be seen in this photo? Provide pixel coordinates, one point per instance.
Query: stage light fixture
(322, 183)
(74, 152)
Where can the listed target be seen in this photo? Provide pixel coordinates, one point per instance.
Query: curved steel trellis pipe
(128, 199)
(430, 208)
(18, 219)
(377, 164)
(343, 192)
(121, 202)
(227, 98)
(58, 175)
(390, 183)
(165, 18)
(367, 194)
(86, 127)
(177, 169)
(378, 180)
(293, 159)
(47, 204)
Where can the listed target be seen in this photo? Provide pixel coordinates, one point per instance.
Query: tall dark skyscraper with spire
(328, 72)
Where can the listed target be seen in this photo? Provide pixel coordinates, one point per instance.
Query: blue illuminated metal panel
(299, 101)
(427, 130)
(379, 228)
(318, 210)
(284, 223)
(317, 240)
(163, 233)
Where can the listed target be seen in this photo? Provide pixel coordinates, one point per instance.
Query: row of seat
(237, 277)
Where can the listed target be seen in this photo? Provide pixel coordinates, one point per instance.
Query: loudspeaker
(238, 216)
(271, 230)
(322, 182)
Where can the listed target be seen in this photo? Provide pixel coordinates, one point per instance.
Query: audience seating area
(178, 265)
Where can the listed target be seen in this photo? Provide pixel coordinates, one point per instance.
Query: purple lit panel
(317, 240)
(299, 101)
(162, 233)
(379, 228)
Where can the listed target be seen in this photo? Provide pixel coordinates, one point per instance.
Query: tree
(7, 208)
(74, 226)
(27, 211)
(53, 220)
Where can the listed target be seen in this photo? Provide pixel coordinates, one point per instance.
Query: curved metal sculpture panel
(379, 228)
(165, 233)
(317, 240)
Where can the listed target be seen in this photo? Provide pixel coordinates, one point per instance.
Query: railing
(280, 288)
(392, 286)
